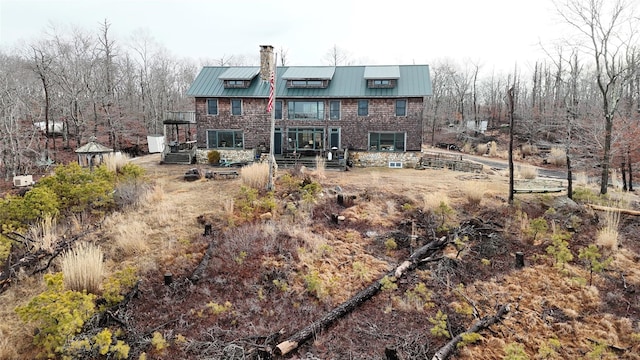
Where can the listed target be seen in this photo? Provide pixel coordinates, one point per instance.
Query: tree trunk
(511, 122)
(483, 323)
(365, 294)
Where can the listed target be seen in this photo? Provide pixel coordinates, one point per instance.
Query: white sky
(498, 34)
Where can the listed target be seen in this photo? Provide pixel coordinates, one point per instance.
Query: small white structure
(156, 143)
(23, 180)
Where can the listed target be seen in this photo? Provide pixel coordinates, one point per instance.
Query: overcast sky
(494, 33)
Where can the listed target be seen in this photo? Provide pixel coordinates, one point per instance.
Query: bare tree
(284, 56)
(336, 56)
(603, 25)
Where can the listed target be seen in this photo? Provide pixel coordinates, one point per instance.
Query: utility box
(23, 180)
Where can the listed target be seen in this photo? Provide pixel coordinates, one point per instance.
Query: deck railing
(180, 116)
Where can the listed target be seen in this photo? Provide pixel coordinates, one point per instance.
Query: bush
(213, 157)
(256, 175)
(557, 157)
(57, 313)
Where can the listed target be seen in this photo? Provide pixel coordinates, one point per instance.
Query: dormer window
(308, 77)
(382, 77)
(381, 83)
(233, 84)
(310, 83)
(238, 78)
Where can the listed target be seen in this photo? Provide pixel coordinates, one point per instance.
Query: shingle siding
(256, 122)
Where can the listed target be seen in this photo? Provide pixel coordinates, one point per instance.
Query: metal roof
(309, 73)
(382, 72)
(347, 82)
(239, 73)
(93, 147)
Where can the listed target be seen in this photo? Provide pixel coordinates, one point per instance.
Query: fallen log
(197, 273)
(481, 324)
(363, 295)
(620, 210)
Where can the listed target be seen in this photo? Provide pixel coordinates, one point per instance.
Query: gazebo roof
(93, 147)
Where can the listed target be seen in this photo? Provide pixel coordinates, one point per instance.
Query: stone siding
(228, 155)
(409, 159)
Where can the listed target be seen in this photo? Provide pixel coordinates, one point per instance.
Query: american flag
(271, 92)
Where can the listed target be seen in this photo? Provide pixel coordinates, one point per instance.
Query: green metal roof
(382, 72)
(309, 73)
(347, 82)
(239, 73)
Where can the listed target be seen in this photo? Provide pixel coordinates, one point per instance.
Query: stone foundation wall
(409, 159)
(228, 155)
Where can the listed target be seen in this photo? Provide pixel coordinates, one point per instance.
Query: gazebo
(91, 153)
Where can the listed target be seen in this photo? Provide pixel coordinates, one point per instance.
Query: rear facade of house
(317, 108)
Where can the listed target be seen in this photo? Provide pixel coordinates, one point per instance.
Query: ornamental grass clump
(83, 268)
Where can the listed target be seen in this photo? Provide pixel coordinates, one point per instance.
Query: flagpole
(272, 159)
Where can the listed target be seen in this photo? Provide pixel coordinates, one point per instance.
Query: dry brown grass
(525, 172)
(256, 175)
(474, 192)
(128, 235)
(481, 149)
(529, 149)
(321, 165)
(83, 268)
(115, 161)
(608, 235)
(431, 201)
(557, 157)
(493, 149)
(532, 292)
(44, 233)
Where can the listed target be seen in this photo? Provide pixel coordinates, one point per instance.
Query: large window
(363, 107)
(301, 139)
(231, 139)
(386, 141)
(212, 106)
(278, 109)
(334, 110)
(236, 107)
(401, 107)
(306, 110)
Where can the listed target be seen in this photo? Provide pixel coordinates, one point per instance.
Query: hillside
(270, 275)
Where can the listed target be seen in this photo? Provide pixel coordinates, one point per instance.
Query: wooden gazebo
(92, 153)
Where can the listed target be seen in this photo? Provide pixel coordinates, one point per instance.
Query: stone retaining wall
(228, 155)
(409, 159)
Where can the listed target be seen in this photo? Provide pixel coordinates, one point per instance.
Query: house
(372, 110)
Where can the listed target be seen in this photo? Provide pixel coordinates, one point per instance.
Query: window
(363, 107)
(386, 141)
(401, 107)
(212, 106)
(236, 107)
(306, 110)
(334, 110)
(381, 83)
(278, 109)
(307, 83)
(236, 84)
(301, 139)
(231, 139)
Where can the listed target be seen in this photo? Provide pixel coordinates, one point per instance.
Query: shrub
(515, 351)
(118, 283)
(439, 323)
(57, 313)
(608, 235)
(557, 157)
(559, 248)
(591, 255)
(213, 157)
(493, 149)
(481, 149)
(82, 268)
(80, 189)
(528, 149)
(321, 164)
(256, 175)
(526, 172)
